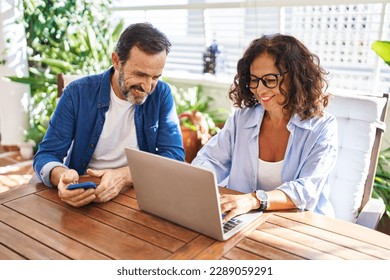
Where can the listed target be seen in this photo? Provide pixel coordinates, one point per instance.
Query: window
(341, 35)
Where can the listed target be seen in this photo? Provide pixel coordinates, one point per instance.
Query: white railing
(339, 32)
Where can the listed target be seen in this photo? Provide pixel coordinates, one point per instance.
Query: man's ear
(115, 60)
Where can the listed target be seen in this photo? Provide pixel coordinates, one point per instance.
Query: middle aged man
(99, 115)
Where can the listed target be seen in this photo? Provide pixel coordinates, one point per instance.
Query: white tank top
(269, 174)
(118, 133)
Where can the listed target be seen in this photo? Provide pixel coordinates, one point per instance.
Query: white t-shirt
(269, 174)
(118, 133)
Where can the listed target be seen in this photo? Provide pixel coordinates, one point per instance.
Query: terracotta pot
(191, 143)
(384, 224)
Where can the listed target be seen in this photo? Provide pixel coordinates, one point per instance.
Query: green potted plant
(382, 176)
(382, 179)
(74, 37)
(197, 121)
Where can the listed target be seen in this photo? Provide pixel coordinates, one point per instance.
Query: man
(98, 116)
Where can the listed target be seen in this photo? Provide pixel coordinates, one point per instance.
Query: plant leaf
(24, 80)
(382, 48)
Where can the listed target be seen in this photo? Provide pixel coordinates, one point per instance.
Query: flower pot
(27, 150)
(384, 224)
(191, 143)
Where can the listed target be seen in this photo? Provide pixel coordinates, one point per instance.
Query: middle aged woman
(279, 146)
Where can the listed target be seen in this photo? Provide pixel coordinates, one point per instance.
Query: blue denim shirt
(310, 156)
(79, 118)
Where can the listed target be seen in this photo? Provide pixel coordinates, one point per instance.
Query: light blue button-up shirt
(310, 156)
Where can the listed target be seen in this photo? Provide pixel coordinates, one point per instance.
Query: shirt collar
(295, 120)
(105, 88)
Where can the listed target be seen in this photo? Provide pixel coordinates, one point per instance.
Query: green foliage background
(382, 177)
(192, 99)
(63, 36)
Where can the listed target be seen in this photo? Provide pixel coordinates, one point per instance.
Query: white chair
(361, 124)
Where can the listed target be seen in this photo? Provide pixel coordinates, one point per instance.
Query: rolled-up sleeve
(44, 173)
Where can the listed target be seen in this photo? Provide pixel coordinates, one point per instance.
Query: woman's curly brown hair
(305, 79)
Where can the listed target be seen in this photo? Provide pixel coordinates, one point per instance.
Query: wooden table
(36, 224)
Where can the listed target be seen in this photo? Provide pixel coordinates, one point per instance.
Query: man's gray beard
(130, 98)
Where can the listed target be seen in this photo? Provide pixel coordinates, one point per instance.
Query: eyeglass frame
(258, 79)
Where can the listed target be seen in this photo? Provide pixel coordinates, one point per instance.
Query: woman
(279, 147)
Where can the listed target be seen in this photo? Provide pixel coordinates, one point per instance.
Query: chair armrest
(371, 213)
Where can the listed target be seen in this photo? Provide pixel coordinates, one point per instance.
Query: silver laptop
(181, 193)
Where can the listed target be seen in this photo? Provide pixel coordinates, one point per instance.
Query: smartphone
(84, 185)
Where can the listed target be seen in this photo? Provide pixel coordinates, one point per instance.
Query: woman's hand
(237, 204)
(77, 197)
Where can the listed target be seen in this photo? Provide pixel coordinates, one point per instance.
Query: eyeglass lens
(269, 81)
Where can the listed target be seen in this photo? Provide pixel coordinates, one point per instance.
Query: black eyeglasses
(268, 80)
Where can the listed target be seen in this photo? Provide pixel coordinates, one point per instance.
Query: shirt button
(92, 145)
(84, 164)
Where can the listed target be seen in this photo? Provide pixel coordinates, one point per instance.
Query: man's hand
(78, 197)
(236, 204)
(111, 183)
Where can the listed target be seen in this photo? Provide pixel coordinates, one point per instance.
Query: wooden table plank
(53, 239)
(340, 227)
(266, 251)
(86, 230)
(26, 246)
(7, 254)
(129, 191)
(127, 211)
(298, 233)
(345, 244)
(20, 191)
(150, 221)
(127, 201)
(241, 254)
(151, 236)
(289, 246)
(193, 248)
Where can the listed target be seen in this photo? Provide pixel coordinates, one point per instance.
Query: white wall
(13, 96)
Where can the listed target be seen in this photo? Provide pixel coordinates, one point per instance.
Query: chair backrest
(63, 80)
(361, 124)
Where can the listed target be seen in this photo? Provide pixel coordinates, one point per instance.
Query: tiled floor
(14, 171)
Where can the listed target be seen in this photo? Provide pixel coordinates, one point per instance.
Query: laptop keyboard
(232, 223)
